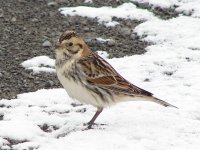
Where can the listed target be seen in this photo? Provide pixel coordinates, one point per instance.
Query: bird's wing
(100, 73)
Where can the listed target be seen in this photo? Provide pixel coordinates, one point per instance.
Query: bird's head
(70, 45)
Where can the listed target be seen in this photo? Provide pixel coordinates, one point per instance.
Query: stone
(111, 42)
(14, 19)
(52, 4)
(125, 31)
(46, 44)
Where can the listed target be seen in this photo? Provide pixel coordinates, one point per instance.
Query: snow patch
(158, 3)
(40, 64)
(103, 54)
(182, 31)
(88, 1)
(105, 14)
(188, 7)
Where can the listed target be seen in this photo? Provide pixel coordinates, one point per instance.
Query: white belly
(77, 91)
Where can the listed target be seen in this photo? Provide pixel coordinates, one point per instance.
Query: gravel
(30, 28)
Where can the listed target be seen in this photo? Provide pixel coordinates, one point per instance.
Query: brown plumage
(98, 83)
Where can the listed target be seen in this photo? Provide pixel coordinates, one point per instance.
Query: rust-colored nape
(67, 35)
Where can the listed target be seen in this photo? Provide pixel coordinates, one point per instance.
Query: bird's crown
(67, 35)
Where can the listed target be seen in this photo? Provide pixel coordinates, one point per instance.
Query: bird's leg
(90, 123)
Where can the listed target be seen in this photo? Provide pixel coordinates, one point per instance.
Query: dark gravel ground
(26, 24)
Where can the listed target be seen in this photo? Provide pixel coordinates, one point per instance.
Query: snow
(138, 125)
(103, 54)
(39, 64)
(50, 119)
(158, 3)
(188, 7)
(186, 31)
(25, 130)
(106, 13)
(45, 64)
(88, 1)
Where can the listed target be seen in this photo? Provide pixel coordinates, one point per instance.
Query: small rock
(1, 116)
(5, 73)
(52, 4)
(88, 1)
(1, 13)
(84, 22)
(30, 77)
(34, 20)
(46, 44)
(49, 83)
(51, 14)
(92, 29)
(133, 36)
(13, 19)
(82, 110)
(88, 40)
(125, 31)
(24, 28)
(144, 5)
(146, 80)
(76, 104)
(86, 29)
(21, 1)
(169, 73)
(111, 42)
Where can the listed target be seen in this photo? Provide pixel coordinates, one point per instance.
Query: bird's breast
(76, 89)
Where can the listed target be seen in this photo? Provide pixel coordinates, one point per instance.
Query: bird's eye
(70, 44)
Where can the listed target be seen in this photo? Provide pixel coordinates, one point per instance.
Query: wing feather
(100, 73)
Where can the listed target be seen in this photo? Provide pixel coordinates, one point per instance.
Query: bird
(90, 79)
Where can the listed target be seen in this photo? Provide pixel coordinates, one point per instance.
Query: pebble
(144, 5)
(1, 116)
(125, 31)
(86, 29)
(1, 13)
(14, 19)
(34, 20)
(46, 44)
(134, 36)
(53, 4)
(49, 83)
(88, 40)
(111, 42)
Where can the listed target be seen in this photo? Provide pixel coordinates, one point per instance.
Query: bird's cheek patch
(80, 45)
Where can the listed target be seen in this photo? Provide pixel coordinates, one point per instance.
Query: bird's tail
(161, 102)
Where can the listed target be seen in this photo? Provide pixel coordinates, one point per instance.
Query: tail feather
(161, 102)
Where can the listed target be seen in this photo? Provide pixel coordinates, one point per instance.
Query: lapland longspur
(90, 79)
